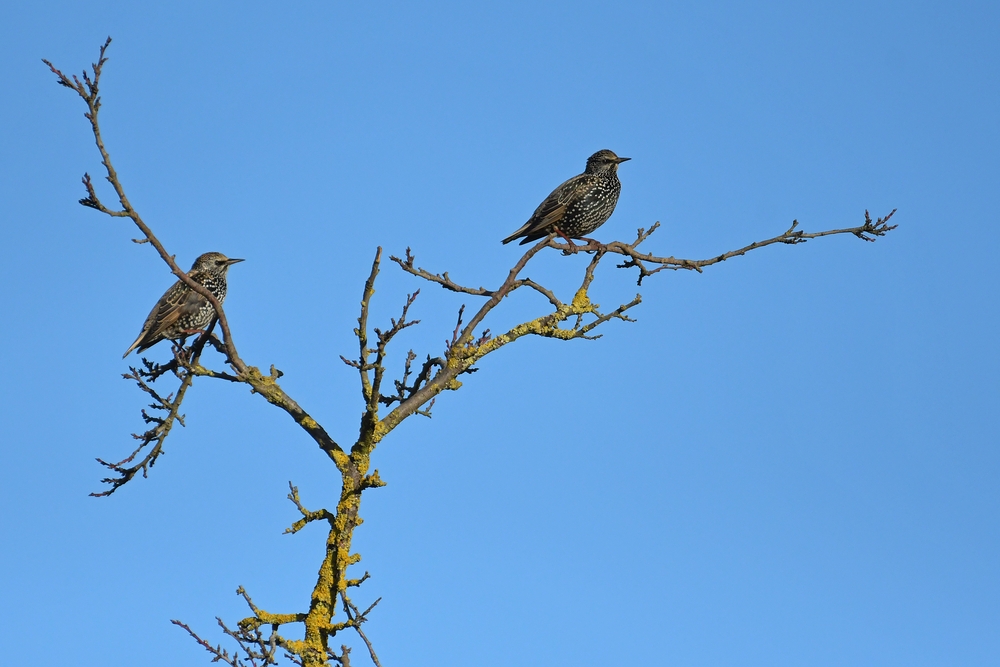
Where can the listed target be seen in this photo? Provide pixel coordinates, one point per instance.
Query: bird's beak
(623, 159)
(233, 261)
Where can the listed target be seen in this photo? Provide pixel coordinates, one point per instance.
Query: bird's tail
(135, 344)
(519, 232)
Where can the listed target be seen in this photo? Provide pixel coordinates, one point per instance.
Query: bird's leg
(183, 339)
(572, 246)
(177, 347)
(567, 239)
(211, 339)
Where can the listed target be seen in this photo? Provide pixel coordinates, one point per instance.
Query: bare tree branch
(413, 393)
(266, 386)
(868, 231)
(359, 618)
(157, 434)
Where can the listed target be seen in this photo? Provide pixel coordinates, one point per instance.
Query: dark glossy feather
(551, 210)
(178, 302)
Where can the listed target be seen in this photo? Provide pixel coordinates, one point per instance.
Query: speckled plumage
(580, 205)
(182, 311)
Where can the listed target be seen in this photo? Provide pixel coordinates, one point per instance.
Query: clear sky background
(790, 459)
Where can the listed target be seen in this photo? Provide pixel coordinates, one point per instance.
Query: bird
(578, 206)
(181, 311)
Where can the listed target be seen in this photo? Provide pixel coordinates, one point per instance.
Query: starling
(182, 311)
(578, 206)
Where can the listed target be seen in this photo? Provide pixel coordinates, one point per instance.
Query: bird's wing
(553, 208)
(175, 303)
(550, 211)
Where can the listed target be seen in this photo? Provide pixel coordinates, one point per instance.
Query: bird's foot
(592, 244)
(572, 249)
(177, 347)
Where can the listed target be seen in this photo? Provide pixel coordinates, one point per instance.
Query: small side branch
(357, 618)
(254, 648)
(868, 231)
(153, 437)
(307, 515)
(384, 338)
(404, 390)
(443, 279)
(166, 411)
(372, 371)
(362, 331)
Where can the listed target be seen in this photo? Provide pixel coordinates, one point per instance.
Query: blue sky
(789, 459)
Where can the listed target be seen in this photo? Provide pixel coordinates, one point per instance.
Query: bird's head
(604, 161)
(213, 262)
